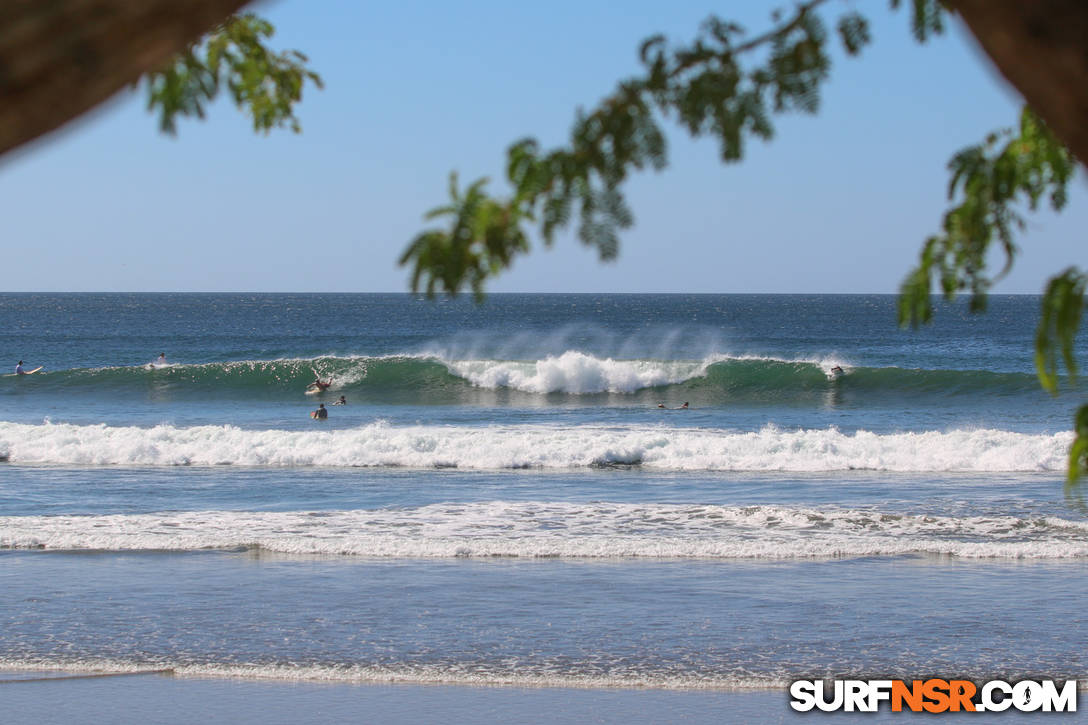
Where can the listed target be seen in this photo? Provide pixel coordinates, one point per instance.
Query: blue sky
(838, 202)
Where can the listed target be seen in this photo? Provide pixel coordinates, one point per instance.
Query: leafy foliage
(927, 18)
(233, 56)
(1078, 452)
(483, 237)
(994, 182)
(703, 86)
(1063, 305)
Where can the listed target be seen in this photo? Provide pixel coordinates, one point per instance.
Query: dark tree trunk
(1041, 47)
(60, 58)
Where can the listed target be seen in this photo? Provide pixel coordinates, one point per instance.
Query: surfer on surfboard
(318, 384)
(19, 369)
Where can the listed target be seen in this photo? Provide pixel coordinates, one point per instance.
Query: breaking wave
(718, 379)
(539, 529)
(530, 446)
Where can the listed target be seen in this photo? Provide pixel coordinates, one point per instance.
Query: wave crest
(422, 379)
(577, 373)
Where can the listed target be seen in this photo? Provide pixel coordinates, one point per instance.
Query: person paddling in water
(342, 401)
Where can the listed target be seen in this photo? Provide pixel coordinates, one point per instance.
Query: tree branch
(1041, 47)
(60, 58)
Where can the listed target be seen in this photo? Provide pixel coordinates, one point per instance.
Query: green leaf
(992, 184)
(483, 236)
(1059, 322)
(854, 32)
(1078, 451)
(267, 85)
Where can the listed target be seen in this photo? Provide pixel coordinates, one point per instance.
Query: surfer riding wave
(318, 385)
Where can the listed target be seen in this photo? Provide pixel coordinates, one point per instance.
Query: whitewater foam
(547, 447)
(577, 373)
(538, 529)
(478, 674)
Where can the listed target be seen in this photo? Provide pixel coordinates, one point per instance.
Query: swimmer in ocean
(342, 401)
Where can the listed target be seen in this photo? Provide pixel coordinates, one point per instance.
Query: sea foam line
(561, 530)
(544, 447)
(437, 674)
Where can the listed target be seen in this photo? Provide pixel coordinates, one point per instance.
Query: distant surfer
(161, 361)
(660, 405)
(836, 372)
(684, 406)
(19, 369)
(342, 401)
(321, 413)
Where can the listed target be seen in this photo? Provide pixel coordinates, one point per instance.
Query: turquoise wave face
(572, 377)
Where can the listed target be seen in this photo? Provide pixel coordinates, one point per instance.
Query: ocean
(502, 501)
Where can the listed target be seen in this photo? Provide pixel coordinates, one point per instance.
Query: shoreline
(11, 673)
(161, 697)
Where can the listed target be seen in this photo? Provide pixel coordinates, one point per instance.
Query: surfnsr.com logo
(934, 695)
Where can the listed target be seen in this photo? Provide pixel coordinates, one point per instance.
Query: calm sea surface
(502, 500)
